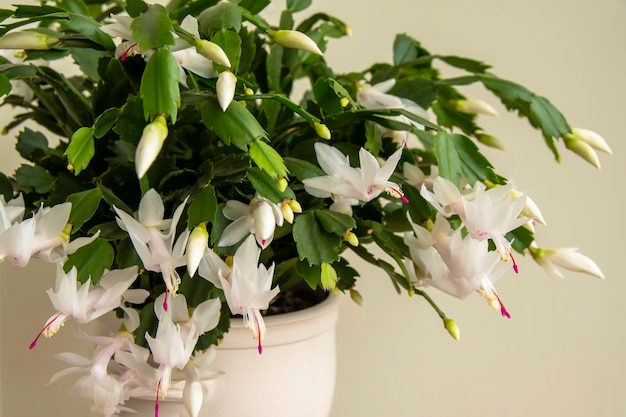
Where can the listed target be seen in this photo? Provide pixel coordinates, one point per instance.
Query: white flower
(196, 247)
(177, 335)
(10, 212)
(153, 238)
(260, 217)
(247, 287)
(347, 185)
(84, 302)
(453, 264)
(567, 258)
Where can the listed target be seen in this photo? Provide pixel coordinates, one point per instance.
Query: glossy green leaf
(236, 124)
(153, 28)
(254, 6)
(203, 208)
(404, 49)
(302, 169)
(35, 177)
(131, 122)
(224, 15)
(81, 149)
(467, 64)
(5, 85)
(266, 158)
(91, 260)
(314, 243)
(334, 222)
(266, 186)
(84, 206)
(329, 93)
(6, 189)
(159, 86)
(87, 60)
(89, 28)
(273, 66)
(31, 145)
(418, 209)
(135, 7)
(5, 14)
(548, 118)
(76, 105)
(447, 157)
(105, 121)
(297, 5)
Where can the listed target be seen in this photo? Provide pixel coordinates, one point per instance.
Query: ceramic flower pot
(293, 377)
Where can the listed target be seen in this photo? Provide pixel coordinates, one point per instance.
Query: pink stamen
(502, 308)
(156, 404)
(259, 346)
(515, 268)
(263, 242)
(34, 342)
(126, 52)
(165, 299)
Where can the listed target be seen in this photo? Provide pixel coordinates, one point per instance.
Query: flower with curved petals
(247, 288)
(153, 238)
(345, 184)
(84, 302)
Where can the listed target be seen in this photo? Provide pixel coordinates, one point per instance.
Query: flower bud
(344, 101)
(452, 328)
(295, 206)
(281, 184)
(582, 149)
(592, 139)
(248, 91)
(196, 246)
(226, 83)
(211, 51)
(490, 141)
(322, 130)
(474, 107)
(329, 277)
(351, 238)
(285, 208)
(296, 40)
(356, 297)
(150, 145)
(27, 39)
(530, 210)
(566, 258)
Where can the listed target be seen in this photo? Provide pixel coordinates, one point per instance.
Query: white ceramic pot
(294, 377)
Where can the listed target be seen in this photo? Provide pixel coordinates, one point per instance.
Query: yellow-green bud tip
(322, 130)
(281, 184)
(344, 101)
(352, 239)
(248, 91)
(356, 297)
(452, 328)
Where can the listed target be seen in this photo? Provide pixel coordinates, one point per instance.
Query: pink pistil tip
(515, 268)
(263, 242)
(34, 342)
(504, 312)
(156, 403)
(165, 300)
(405, 200)
(260, 347)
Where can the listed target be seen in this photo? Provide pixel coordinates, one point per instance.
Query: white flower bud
(226, 83)
(27, 40)
(295, 39)
(592, 139)
(582, 149)
(567, 258)
(211, 51)
(196, 246)
(474, 106)
(150, 145)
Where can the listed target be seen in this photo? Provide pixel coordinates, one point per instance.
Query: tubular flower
(27, 39)
(347, 185)
(84, 302)
(177, 335)
(153, 238)
(260, 218)
(454, 264)
(566, 258)
(247, 287)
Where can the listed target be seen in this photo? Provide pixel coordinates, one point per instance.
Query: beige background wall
(563, 352)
